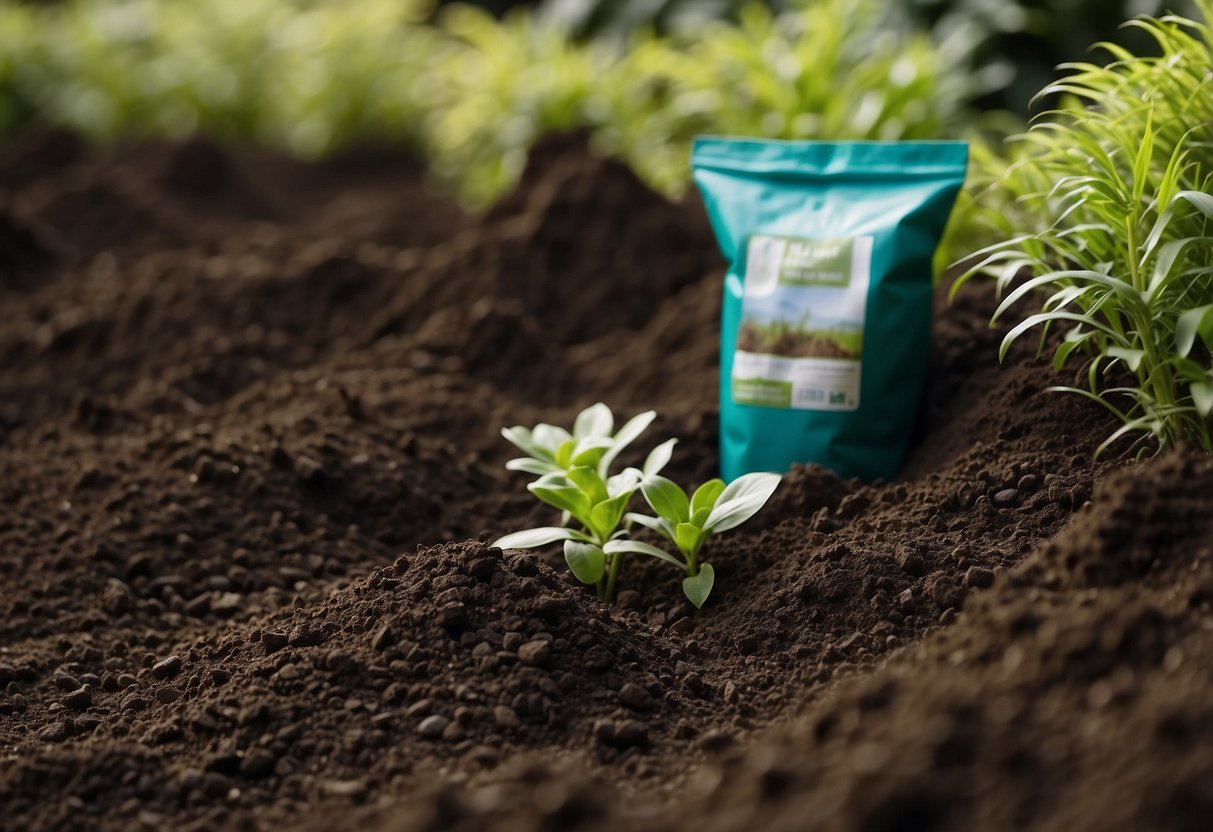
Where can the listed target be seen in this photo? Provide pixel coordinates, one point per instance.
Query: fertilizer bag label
(800, 343)
(826, 325)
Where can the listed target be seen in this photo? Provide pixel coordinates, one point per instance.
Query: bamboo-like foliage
(1113, 191)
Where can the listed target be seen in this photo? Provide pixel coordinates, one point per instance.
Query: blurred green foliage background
(471, 87)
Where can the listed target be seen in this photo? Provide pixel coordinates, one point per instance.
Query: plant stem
(612, 576)
(693, 560)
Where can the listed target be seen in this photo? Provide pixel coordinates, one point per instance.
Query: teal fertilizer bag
(826, 331)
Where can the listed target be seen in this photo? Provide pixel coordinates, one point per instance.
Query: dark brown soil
(249, 457)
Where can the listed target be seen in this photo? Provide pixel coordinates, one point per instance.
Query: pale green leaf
(531, 466)
(586, 561)
(687, 536)
(549, 437)
(1202, 397)
(627, 434)
(706, 495)
(659, 457)
(606, 515)
(637, 547)
(697, 588)
(658, 524)
(595, 421)
(532, 538)
(741, 500)
(1131, 357)
(666, 498)
(1193, 323)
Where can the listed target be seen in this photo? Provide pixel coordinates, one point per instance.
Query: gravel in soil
(249, 462)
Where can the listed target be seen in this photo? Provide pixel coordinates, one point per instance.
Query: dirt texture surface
(249, 463)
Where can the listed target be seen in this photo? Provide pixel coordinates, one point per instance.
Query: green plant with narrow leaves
(1120, 262)
(574, 476)
(688, 521)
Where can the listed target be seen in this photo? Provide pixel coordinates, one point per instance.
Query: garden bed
(249, 455)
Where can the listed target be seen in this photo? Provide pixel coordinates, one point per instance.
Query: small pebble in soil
(979, 577)
(431, 727)
(55, 732)
(198, 606)
(1028, 483)
(912, 563)
(505, 717)
(535, 653)
(683, 626)
(716, 741)
(622, 735)
(66, 682)
(258, 764)
(636, 697)
(273, 642)
(1006, 498)
(628, 599)
(134, 702)
(310, 472)
(79, 700)
(168, 668)
(631, 734)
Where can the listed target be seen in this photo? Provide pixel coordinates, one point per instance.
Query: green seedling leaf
(586, 561)
(531, 466)
(740, 500)
(700, 516)
(591, 485)
(666, 498)
(706, 495)
(697, 588)
(607, 514)
(564, 453)
(1202, 397)
(687, 536)
(595, 421)
(559, 491)
(1194, 322)
(522, 439)
(659, 457)
(639, 548)
(627, 480)
(533, 538)
(590, 450)
(626, 435)
(549, 438)
(658, 524)
(1132, 358)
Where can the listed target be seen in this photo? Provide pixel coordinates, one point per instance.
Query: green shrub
(1118, 248)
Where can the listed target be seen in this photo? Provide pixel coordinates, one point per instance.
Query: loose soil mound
(249, 459)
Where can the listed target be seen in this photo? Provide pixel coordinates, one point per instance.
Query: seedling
(574, 476)
(689, 521)
(550, 449)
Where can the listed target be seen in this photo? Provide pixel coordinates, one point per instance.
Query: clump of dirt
(25, 254)
(243, 387)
